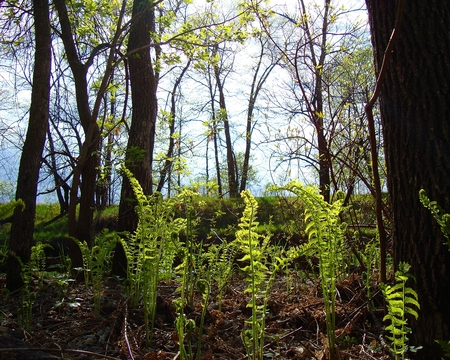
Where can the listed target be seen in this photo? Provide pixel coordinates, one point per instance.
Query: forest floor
(63, 324)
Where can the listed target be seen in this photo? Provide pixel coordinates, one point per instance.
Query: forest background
(256, 82)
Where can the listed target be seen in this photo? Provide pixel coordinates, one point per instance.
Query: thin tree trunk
(169, 155)
(86, 167)
(85, 171)
(254, 92)
(231, 161)
(215, 135)
(216, 157)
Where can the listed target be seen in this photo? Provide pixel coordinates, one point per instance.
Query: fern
(95, 260)
(151, 249)
(442, 218)
(445, 345)
(401, 300)
(220, 260)
(254, 247)
(326, 238)
(262, 262)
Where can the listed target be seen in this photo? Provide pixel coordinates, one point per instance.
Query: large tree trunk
(141, 137)
(415, 116)
(22, 229)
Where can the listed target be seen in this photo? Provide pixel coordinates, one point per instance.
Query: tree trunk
(22, 229)
(414, 110)
(81, 228)
(167, 168)
(315, 105)
(214, 131)
(141, 137)
(216, 156)
(231, 161)
(257, 84)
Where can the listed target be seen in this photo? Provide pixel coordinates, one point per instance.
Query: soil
(64, 325)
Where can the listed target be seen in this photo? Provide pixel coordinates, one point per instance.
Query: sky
(13, 121)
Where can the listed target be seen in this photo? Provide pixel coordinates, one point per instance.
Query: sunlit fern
(151, 249)
(401, 300)
(326, 241)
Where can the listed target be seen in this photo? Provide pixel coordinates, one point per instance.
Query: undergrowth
(169, 232)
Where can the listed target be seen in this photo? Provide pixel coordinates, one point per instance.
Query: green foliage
(445, 345)
(254, 247)
(401, 300)
(204, 288)
(8, 208)
(326, 240)
(220, 260)
(34, 267)
(442, 218)
(95, 260)
(151, 250)
(193, 274)
(46, 227)
(370, 257)
(192, 251)
(261, 262)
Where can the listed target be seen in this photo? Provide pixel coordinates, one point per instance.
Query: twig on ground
(58, 351)
(125, 324)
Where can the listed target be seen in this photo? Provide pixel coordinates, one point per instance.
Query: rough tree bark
(22, 229)
(415, 117)
(141, 138)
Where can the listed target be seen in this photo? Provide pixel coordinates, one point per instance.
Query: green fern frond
(442, 218)
(325, 240)
(401, 300)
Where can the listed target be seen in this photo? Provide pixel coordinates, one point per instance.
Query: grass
(218, 218)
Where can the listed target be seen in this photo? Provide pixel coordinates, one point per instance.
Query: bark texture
(22, 229)
(141, 138)
(414, 106)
